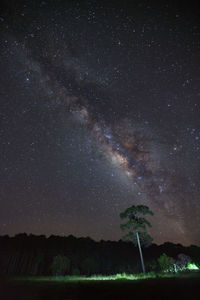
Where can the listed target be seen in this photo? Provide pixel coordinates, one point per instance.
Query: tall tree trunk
(140, 250)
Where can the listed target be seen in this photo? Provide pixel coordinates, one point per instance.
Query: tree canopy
(136, 223)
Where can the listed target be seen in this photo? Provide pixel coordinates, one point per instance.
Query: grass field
(121, 286)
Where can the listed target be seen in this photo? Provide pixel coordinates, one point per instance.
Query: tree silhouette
(137, 226)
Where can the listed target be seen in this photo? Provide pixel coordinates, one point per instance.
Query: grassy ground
(151, 286)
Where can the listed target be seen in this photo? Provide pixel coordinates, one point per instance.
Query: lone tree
(137, 226)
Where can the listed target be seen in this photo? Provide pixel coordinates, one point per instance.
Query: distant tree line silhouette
(38, 255)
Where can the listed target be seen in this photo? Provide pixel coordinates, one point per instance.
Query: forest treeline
(34, 255)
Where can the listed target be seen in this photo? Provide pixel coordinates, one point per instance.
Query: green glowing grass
(123, 276)
(83, 278)
(192, 266)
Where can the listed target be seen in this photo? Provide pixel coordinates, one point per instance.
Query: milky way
(100, 110)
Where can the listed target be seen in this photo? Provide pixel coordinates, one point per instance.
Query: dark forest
(33, 255)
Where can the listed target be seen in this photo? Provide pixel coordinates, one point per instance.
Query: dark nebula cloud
(100, 110)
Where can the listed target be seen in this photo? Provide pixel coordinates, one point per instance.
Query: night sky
(99, 110)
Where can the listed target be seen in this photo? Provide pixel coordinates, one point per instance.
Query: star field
(100, 106)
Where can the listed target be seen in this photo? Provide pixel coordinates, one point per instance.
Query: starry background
(99, 110)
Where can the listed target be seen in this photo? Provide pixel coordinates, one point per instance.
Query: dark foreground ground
(159, 288)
